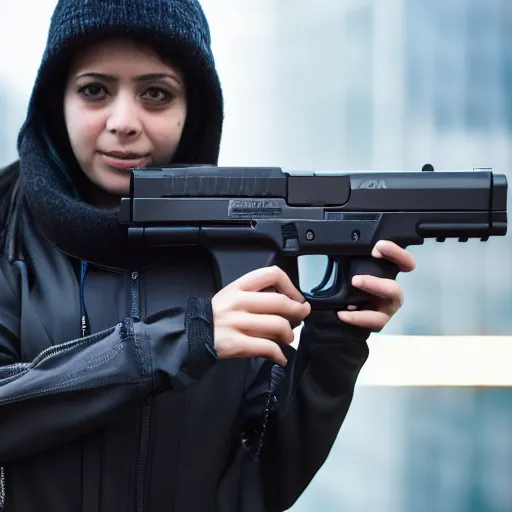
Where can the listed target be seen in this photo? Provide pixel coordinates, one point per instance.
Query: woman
(126, 382)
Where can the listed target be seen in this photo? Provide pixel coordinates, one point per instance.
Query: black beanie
(179, 31)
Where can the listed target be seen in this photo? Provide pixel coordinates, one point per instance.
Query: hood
(48, 171)
(177, 28)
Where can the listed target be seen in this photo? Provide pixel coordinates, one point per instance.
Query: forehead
(120, 55)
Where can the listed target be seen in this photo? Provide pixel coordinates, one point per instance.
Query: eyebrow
(141, 78)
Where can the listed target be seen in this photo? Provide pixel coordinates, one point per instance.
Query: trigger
(327, 276)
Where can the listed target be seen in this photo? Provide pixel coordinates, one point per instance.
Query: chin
(115, 190)
(117, 185)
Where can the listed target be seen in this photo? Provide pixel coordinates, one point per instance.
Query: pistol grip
(342, 294)
(232, 263)
(368, 266)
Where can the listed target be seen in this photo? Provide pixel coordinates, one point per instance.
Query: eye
(155, 95)
(93, 92)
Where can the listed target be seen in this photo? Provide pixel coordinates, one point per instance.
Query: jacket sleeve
(293, 415)
(71, 388)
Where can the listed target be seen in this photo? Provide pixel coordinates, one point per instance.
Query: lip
(123, 160)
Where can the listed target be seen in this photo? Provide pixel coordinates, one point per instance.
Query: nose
(124, 118)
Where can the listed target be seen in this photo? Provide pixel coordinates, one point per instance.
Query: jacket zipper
(135, 302)
(276, 377)
(2, 489)
(145, 424)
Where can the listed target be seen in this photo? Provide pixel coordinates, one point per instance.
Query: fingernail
(351, 307)
(284, 362)
(357, 281)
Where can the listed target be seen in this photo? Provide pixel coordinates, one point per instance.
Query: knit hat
(177, 28)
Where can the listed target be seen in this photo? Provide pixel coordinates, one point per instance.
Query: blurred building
(419, 450)
(460, 80)
(394, 84)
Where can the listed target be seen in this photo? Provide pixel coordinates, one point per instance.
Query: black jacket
(139, 416)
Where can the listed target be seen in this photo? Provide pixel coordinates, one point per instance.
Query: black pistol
(253, 217)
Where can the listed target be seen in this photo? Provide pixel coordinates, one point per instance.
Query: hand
(388, 294)
(248, 321)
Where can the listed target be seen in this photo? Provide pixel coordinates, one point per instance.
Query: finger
(404, 259)
(374, 320)
(262, 278)
(387, 289)
(270, 327)
(260, 347)
(272, 304)
(385, 306)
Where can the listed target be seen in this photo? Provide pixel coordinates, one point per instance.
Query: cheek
(167, 135)
(84, 128)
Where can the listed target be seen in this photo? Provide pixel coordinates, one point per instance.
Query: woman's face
(124, 108)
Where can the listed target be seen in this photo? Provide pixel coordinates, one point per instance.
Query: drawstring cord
(84, 320)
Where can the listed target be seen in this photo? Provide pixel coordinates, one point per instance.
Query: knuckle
(391, 290)
(288, 306)
(267, 349)
(234, 319)
(288, 336)
(376, 324)
(397, 294)
(297, 309)
(236, 301)
(284, 330)
(378, 327)
(224, 344)
(271, 353)
(381, 321)
(279, 273)
(274, 352)
(274, 271)
(256, 272)
(285, 324)
(282, 302)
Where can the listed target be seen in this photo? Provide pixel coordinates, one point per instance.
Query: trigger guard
(341, 293)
